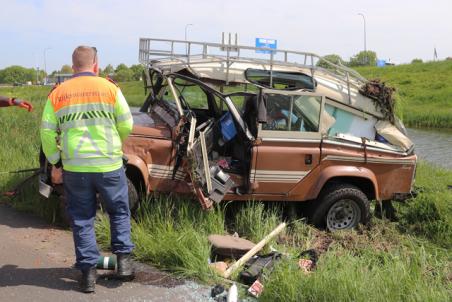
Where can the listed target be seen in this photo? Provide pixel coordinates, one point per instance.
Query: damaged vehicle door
(201, 126)
(291, 138)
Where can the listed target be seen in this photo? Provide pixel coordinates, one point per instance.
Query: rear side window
(299, 113)
(280, 80)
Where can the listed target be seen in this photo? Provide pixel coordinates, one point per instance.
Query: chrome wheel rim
(344, 214)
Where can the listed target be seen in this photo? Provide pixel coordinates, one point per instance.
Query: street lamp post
(365, 35)
(186, 27)
(45, 65)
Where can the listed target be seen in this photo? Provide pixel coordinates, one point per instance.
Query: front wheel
(339, 207)
(134, 197)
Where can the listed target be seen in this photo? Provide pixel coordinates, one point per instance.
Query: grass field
(424, 91)
(408, 260)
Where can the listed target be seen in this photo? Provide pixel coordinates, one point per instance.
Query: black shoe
(125, 266)
(88, 282)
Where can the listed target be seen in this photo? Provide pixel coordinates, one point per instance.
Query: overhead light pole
(186, 29)
(45, 64)
(365, 35)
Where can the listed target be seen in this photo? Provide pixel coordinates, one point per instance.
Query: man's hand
(22, 104)
(56, 175)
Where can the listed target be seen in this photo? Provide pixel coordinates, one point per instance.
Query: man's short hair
(84, 57)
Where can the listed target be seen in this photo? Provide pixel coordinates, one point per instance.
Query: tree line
(21, 75)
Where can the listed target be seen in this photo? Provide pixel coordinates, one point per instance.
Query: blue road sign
(268, 43)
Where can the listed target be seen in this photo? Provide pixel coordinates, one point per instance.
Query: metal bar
(290, 113)
(227, 64)
(204, 51)
(271, 69)
(188, 53)
(348, 89)
(337, 69)
(176, 97)
(205, 161)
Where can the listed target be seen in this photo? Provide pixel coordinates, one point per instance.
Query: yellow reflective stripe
(48, 125)
(85, 123)
(109, 137)
(54, 158)
(124, 117)
(80, 108)
(95, 161)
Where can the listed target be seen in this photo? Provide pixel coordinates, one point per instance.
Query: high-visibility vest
(84, 123)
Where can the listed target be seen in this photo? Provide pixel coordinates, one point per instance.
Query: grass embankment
(405, 261)
(424, 90)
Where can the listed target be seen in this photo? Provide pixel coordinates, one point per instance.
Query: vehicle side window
(346, 122)
(299, 113)
(195, 97)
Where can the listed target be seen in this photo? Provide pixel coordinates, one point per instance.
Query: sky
(34, 31)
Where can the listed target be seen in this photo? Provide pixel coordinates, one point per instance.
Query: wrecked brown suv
(229, 122)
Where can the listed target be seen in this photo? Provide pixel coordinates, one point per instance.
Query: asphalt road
(36, 260)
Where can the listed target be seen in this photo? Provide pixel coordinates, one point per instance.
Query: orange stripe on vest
(83, 90)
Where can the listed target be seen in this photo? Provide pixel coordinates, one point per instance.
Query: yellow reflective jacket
(84, 123)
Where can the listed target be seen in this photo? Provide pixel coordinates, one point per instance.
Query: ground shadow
(18, 219)
(65, 279)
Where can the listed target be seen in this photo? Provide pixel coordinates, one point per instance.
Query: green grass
(405, 261)
(424, 90)
(379, 263)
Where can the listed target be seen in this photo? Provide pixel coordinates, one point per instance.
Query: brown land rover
(230, 122)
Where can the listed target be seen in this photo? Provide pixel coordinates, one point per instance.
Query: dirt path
(36, 260)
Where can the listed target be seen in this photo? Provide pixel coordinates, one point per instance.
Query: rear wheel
(339, 207)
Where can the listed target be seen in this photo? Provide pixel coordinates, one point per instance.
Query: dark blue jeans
(80, 189)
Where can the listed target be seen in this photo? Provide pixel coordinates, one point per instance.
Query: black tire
(134, 197)
(340, 206)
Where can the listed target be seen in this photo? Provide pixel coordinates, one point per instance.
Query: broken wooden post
(253, 251)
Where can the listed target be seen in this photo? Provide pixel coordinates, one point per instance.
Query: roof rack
(189, 53)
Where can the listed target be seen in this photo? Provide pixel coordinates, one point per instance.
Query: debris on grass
(230, 246)
(254, 250)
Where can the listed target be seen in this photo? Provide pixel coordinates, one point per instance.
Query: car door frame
(284, 158)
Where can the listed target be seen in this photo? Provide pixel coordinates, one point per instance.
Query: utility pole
(45, 65)
(186, 28)
(365, 37)
(37, 68)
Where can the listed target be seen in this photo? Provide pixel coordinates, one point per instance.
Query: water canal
(434, 146)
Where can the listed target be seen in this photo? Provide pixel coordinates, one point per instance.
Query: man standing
(84, 123)
(6, 102)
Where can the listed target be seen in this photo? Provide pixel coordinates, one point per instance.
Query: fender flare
(139, 164)
(344, 171)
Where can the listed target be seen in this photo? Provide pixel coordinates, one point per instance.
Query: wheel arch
(137, 172)
(360, 177)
